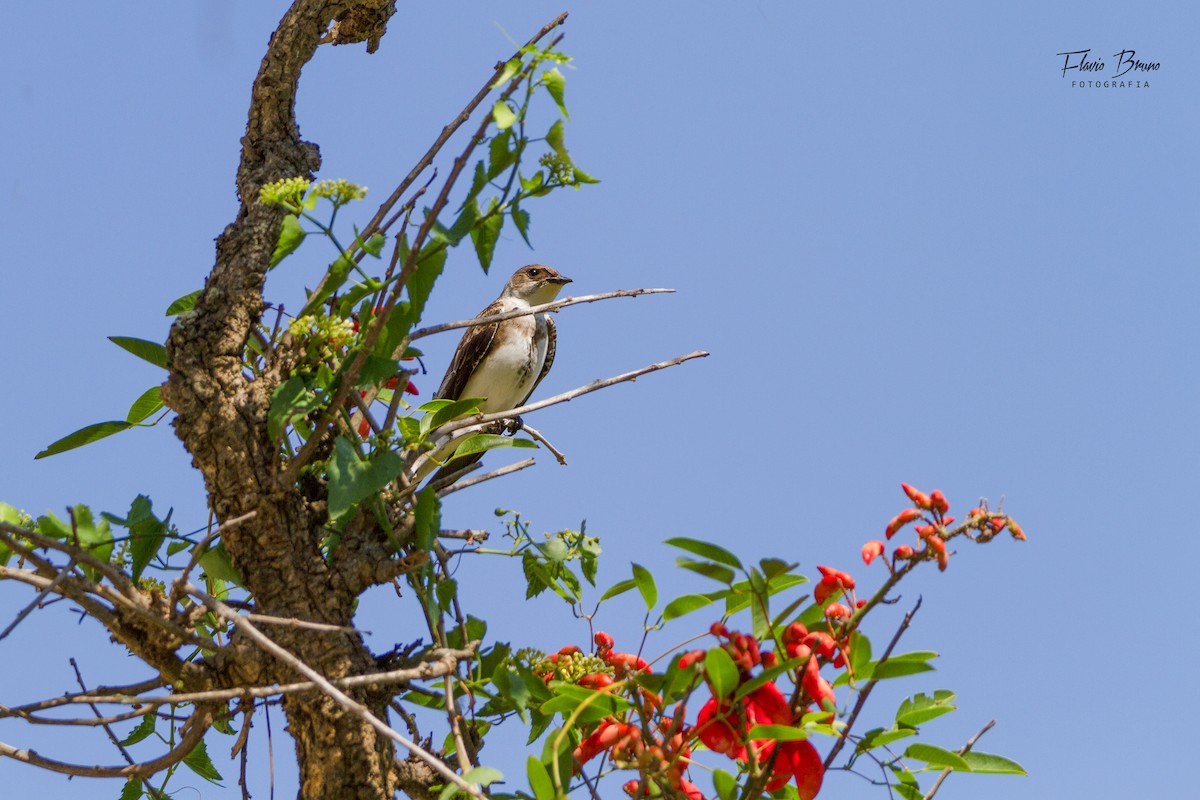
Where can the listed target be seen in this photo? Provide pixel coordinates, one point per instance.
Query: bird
(505, 361)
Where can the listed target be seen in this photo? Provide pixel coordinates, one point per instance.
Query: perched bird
(505, 361)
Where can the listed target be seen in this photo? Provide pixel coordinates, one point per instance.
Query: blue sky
(914, 250)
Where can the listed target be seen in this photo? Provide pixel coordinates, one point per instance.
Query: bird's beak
(561, 280)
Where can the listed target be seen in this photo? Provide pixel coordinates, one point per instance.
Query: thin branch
(470, 535)
(862, 696)
(566, 397)
(292, 622)
(193, 732)
(440, 662)
(451, 128)
(497, 473)
(50, 587)
(537, 435)
(962, 751)
(421, 333)
(335, 694)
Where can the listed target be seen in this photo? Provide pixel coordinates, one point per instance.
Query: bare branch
(497, 473)
(566, 397)
(538, 437)
(193, 731)
(337, 695)
(421, 333)
(866, 692)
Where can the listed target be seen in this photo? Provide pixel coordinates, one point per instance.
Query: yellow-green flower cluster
(560, 168)
(339, 191)
(288, 192)
(325, 334)
(571, 667)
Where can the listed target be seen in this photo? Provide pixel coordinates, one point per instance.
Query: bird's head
(535, 284)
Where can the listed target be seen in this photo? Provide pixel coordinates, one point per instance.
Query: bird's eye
(533, 273)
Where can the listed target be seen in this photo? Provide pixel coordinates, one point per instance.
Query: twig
(421, 333)
(292, 622)
(450, 129)
(497, 473)
(962, 751)
(537, 435)
(441, 661)
(862, 696)
(335, 694)
(566, 397)
(194, 729)
(470, 535)
(50, 587)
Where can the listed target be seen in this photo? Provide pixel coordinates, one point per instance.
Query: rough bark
(221, 419)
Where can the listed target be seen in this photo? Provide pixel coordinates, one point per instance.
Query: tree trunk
(222, 421)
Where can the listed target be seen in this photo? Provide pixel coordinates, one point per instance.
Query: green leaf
(84, 436)
(184, 304)
(708, 569)
(290, 237)
(503, 115)
(448, 410)
(645, 585)
(618, 588)
(500, 157)
(511, 68)
(778, 733)
(539, 779)
(335, 276)
(484, 776)
(132, 790)
(374, 244)
(291, 399)
(554, 138)
(936, 756)
(881, 738)
(143, 729)
(427, 519)
(521, 219)
(988, 764)
(706, 550)
(153, 352)
(920, 709)
(555, 83)
(146, 534)
(351, 479)
(685, 604)
(149, 402)
(481, 442)
(721, 671)
(725, 784)
(199, 763)
(95, 537)
(485, 234)
(908, 792)
(462, 226)
(217, 565)
(446, 591)
(903, 665)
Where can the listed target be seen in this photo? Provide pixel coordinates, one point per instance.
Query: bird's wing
(551, 345)
(475, 344)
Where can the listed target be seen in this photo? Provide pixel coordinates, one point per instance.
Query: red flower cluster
(724, 724)
(931, 510)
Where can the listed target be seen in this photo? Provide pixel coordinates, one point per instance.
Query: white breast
(507, 374)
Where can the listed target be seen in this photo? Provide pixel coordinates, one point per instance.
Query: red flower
(817, 688)
(837, 611)
(871, 549)
(832, 580)
(938, 501)
(900, 520)
(919, 498)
